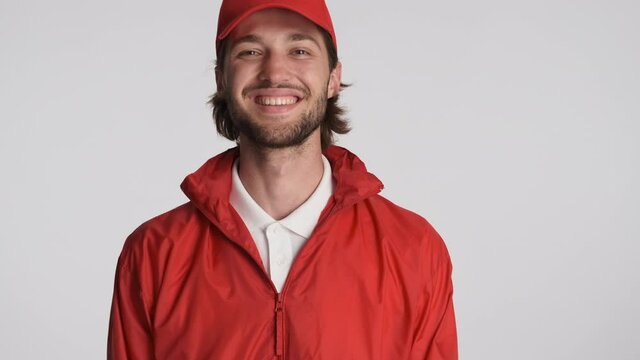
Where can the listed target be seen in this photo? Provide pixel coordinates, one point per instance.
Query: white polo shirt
(279, 242)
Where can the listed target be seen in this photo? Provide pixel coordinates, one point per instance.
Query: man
(285, 249)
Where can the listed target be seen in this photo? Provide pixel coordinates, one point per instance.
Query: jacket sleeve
(129, 325)
(435, 335)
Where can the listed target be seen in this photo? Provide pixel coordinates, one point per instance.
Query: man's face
(276, 79)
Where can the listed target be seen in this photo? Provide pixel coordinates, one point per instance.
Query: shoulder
(156, 237)
(407, 227)
(398, 217)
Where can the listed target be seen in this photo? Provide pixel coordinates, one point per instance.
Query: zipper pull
(279, 328)
(278, 304)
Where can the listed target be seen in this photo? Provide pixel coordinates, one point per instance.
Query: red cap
(232, 12)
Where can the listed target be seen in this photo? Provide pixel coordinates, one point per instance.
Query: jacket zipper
(279, 310)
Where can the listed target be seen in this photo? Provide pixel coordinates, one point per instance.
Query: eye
(300, 52)
(248, 53)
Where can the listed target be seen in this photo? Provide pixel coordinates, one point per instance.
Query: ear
(335, 77)
(220, 84)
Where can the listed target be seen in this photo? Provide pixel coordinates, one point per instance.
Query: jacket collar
(209, 188)
(353, 182)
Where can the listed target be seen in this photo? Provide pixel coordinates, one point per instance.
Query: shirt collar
(302, 220)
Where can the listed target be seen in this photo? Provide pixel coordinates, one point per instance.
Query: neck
(280, 180)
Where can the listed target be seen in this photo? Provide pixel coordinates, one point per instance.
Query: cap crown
(232, 12)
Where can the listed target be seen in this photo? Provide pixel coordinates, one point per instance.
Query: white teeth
(276, 101)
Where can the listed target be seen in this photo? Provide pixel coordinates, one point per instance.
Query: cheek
(320, 84)
(314, 70)
(239, 77)
(315, 77)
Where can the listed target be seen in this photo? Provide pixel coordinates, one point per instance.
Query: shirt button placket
(279, 254)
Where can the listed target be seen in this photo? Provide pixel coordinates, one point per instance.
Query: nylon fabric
(372, 282)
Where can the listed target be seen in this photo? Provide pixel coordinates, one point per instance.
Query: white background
(512, 126)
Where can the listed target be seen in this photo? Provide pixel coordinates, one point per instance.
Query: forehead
(274, 22)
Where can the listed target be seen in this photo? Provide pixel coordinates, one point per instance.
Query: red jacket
(373, 282)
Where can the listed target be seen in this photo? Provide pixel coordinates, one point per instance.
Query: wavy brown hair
(333, 123)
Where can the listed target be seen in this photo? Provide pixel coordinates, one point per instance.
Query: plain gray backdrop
(512, 126)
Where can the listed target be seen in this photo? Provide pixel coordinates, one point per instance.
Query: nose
(275, 68)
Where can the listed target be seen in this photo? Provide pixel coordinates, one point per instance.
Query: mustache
(266, 84)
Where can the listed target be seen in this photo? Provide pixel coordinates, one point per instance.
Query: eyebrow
(302, 37)
(248, 39)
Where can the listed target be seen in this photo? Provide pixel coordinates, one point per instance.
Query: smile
(276, 100)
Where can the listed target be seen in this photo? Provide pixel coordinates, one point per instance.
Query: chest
(350, 293)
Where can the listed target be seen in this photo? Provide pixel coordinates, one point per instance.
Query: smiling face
(276, 79)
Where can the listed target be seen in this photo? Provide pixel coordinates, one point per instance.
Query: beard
(281, 136)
